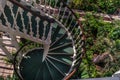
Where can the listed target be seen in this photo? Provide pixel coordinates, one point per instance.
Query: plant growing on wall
(102, 39)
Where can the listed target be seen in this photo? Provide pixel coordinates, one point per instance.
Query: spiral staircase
(53, 44)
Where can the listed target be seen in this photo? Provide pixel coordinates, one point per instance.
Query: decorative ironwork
(57, 41)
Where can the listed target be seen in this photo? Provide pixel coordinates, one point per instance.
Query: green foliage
(1, 78)
(115, 33)
(14, 77)
(109, 6)
(101, 36)
(117, 42)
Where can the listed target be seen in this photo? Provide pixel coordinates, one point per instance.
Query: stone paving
(6, 69)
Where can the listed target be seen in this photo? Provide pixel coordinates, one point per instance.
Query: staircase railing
(29, 20)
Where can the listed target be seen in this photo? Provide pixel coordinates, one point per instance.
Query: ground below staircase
(6, 69)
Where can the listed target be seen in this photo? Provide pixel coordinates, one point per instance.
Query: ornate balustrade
(56, 35)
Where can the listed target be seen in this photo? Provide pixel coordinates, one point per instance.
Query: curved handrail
(52, 20)
(31, 11)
